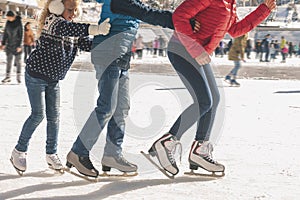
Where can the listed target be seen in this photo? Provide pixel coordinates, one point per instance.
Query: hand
(203, 58)
(19, 49)
(101, 29)
(2, 47)
(271, 4)
(196, 27)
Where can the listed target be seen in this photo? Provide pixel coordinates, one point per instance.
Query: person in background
(28, 40)
(12, 43)
(139, 44)
(236, 54)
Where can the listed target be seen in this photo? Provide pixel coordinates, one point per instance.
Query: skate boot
(227, 79)
(19, 77)
(18, 160)
(201, 156)
(119, 163)
(6, 79)
(83, 164)
(54, 162)
(164, 149)
(234, 83)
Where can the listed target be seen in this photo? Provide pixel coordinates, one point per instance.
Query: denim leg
(237, 66)
(116, 125)
(106, 105)
(194, 78)
(35, 90)
(9, 59)
(52, 96)
(205, 123)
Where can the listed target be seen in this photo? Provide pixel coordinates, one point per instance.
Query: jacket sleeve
(85, 43)
(250, 21)
(71, 29)
(3, 42)
(138, 10)
(181, 19)
(20, 35)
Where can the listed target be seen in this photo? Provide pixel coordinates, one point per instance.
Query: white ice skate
(54, 162)
(119, 163)
(164, 149)
(201, 156)
(18, 160)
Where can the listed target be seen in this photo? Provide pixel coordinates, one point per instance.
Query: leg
(106, 105)
(9, 57)
(35, 90)
(18, 64)
(52, 96)
(113, 157)
(116, 125)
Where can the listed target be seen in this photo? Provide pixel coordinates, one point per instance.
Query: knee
(37, 117)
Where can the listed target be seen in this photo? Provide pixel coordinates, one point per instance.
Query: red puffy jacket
(216, 17)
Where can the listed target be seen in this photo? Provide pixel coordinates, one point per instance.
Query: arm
(66, 28)
(181, 18)
(138, 10)
(85, 44)
(250, 21)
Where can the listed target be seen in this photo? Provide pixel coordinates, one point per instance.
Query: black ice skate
(234, 83)
(119, 163)
(6, 80)
(164, 149)
(200, 156)
(18, 160)
(83, 165)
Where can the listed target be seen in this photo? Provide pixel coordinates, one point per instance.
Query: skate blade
(20, 172)
(148, 157)
(88, 178)
(211, 175)
(60, 171)
(124, 175)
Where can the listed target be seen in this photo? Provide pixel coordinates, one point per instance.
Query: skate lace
(123, 160)
(173, 148)
(55, 159)
(85, 161)
(209, 156)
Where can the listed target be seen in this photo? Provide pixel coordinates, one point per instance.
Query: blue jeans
(43, 96)
(201, 84)
(237, 66)
(112, 108)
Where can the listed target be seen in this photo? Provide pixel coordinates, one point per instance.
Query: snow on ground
(258, 141)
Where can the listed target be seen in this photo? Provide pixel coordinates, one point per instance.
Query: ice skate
(54, 163)
(227, 79)
(6, 80)
(18, 160)
(164, 149)
(200, 156)
(119, 163)
(234, 83)
(83, 165)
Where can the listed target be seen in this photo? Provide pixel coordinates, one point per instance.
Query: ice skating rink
(256, 135)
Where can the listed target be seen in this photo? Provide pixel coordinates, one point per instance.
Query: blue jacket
(116, 46)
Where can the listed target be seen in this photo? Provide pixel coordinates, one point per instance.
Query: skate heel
(105, 168)
(193, 166)
(152, 151)
(69, 165)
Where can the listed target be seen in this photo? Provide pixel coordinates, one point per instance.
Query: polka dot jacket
(57, 47)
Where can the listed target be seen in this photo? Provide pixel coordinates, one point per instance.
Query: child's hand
(101, 29)
(271, 4)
